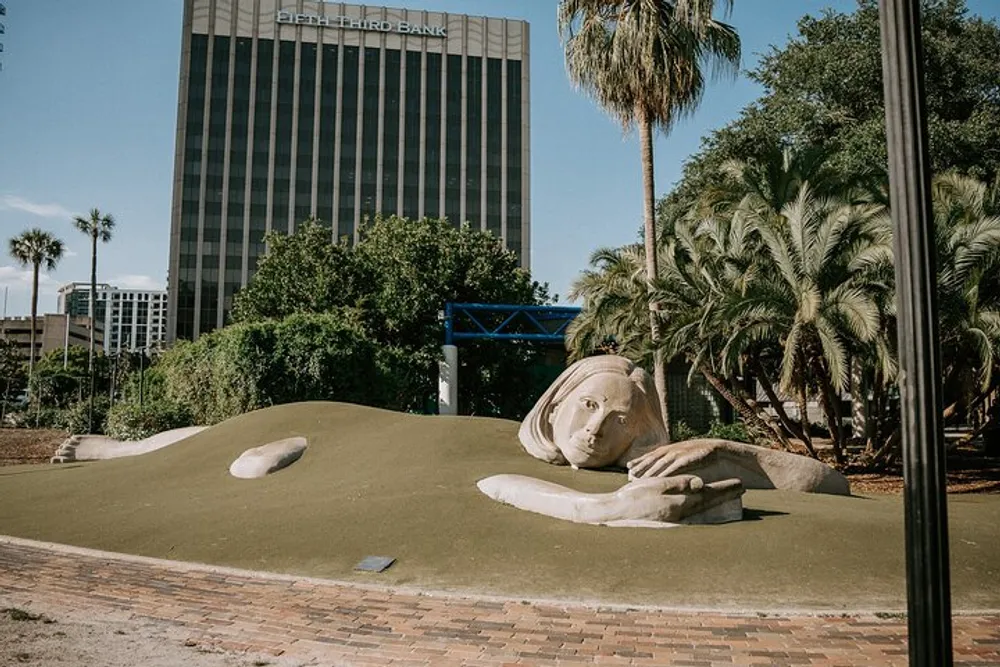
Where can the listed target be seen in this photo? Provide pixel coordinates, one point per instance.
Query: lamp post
(142, 380)
(928, 591)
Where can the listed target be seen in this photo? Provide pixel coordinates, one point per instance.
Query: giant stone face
(593, 425)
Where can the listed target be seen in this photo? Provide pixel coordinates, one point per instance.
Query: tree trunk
(93, 327)
(652, 271)
(827, 399)
(31, 335)
(92, 309)
(859, 406)
(804, 419)
(749, 415)
(794, 430)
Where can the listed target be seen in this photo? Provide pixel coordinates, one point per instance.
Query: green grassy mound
(381, 483)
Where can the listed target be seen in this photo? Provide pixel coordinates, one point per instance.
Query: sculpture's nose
(595, 423)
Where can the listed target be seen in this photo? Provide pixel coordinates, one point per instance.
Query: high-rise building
(131, 319)
(297, 108)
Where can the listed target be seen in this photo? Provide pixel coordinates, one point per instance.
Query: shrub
(129, 421)
(736, 431)
(32, 417)
(244, 367)
(76, 416)
(680, 432)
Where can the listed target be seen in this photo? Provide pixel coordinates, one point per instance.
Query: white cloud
(18, 278)
(41, 210)
(70, 253)
(134, 281)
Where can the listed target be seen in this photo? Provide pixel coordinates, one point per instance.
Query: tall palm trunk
(93, 327)
(93, 301)
(806, 427)
(652, 271)
(34, 315)
(746, 412)
(794, 430)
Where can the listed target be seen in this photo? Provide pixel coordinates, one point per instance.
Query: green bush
(680, 431)
(303, 357)
(736, 431)
(129, 421)
(76, 416)
(32, 417)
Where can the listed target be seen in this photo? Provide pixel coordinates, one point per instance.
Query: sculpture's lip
(592, 456)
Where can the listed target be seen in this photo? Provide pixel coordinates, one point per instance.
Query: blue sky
(88, 100)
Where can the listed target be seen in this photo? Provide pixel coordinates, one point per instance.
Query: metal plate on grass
(375, 563)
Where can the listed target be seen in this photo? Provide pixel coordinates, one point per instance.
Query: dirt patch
(26, 445)
(968, 472)
(35, 639)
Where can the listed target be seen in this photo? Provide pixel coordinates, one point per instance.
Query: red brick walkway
(327, 622)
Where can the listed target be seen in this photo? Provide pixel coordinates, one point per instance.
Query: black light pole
(928, 590)
(142, 380)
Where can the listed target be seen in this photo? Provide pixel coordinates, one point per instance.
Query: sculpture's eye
(622, 420)
(590, 404)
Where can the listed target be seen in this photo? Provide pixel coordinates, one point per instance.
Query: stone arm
(757, 467)
(660, 502)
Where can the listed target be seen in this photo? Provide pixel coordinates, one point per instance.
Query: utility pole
(928, 586)
(66, 344)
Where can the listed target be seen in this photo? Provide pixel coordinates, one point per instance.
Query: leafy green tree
(642, 62)
(824, 89)
(395, 283)
(12, 372)
(35, 248)
(60, 376)
(305, 272)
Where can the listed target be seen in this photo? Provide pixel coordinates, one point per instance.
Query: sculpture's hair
(536, 429)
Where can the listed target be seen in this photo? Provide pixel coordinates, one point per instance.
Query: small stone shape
(375, 563)
(261, 461)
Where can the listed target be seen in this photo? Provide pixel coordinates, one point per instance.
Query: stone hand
(671, 499)
(668, 460)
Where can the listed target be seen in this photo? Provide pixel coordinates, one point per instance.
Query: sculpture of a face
(591, 425)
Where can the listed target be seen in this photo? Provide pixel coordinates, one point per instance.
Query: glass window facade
(348, 142)
(304, 138)
(327, 133)
(453, 141)
(474, 139)
(278, 130)
(369, 134)
(411, 138)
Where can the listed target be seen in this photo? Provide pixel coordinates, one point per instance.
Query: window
(474, 132)
(432, 133)
(369, 134)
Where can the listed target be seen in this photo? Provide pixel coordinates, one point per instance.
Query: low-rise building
(52, 332)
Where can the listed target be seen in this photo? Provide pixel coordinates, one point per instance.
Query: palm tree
(615, 306)
(99, 228)
(967, 223)
(815, 297)
(642, 62)
(35, 248)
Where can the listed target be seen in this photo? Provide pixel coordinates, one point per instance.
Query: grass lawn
(381, 483)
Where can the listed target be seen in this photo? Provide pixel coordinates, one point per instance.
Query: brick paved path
(327, 622)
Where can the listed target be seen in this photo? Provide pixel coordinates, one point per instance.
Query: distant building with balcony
(52, 332)
(131, 319)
